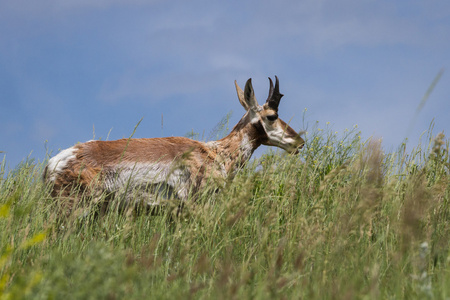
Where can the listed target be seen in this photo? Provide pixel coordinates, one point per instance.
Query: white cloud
(153, 88)
(45, 7)
(42, 130)
(12, 128)
(326, 25)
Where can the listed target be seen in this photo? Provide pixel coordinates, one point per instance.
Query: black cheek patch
(272, 117)
(261, 132)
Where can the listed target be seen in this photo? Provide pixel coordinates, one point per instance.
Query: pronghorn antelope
(170, 167)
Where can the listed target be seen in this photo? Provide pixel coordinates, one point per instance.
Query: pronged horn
(270, 89)
(274, 94)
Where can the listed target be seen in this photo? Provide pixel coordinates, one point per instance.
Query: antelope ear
(240, 94)
(249, 96)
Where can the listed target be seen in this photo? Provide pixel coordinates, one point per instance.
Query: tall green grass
(342, 220)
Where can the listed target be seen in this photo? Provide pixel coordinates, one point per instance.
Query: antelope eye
(272, 117)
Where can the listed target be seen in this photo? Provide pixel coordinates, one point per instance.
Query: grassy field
(343, 220)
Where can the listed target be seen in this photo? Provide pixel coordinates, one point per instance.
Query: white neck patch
(246, 147)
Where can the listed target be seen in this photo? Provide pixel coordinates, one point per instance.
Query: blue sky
(70, 67)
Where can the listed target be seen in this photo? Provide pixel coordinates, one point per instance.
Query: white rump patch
(58, 163)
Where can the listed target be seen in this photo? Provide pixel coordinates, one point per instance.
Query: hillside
(342, 220)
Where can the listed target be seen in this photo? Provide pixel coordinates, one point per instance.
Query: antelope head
(272, 130)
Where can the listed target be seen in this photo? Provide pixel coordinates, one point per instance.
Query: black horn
(273, 100)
